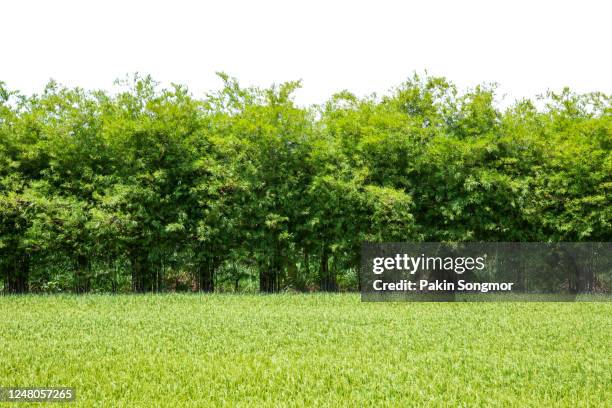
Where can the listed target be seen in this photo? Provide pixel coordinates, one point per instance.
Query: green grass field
(303, 350)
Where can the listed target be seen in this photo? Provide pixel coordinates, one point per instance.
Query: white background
(364, 46)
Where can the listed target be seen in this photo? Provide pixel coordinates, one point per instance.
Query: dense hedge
(150, 189)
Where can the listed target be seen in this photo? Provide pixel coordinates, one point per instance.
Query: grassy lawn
(288, 350)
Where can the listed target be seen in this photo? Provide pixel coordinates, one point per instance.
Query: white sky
(364, 46)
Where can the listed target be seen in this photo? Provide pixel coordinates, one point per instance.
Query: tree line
(149, 188)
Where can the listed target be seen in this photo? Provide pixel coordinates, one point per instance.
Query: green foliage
(155, 188)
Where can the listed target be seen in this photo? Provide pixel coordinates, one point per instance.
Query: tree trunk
(141, 272)
(206, 277)
(270, 274)
(17, 280)
(82, 281)
(266, 280)
(582, 278)
(519, 266)
(328, 281)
